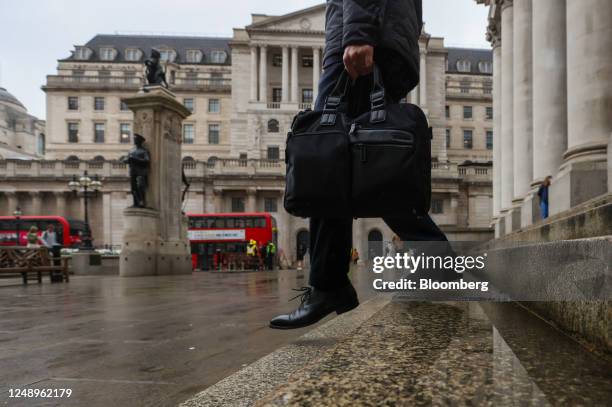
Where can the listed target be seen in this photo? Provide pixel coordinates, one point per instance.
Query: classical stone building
(21, 134)
(552, 105)
(243, 92)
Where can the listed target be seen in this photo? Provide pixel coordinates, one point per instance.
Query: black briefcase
(375, 165)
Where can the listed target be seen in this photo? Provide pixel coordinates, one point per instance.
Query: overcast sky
(34, 34)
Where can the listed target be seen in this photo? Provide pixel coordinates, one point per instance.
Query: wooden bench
(22, 260)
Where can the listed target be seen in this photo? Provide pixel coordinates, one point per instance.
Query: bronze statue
(138, 160)
(155, 74)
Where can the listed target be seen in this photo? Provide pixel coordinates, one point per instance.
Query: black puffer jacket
(393, 27)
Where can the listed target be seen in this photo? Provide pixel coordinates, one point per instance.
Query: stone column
(12, 202)
(523, 105)
(507, 119)
(60, 203)
(251, 203)
(285, 75)
(36, 203)
(423, 81)
(497, 125)
(155, 238)
(583, 175)
(263, 74)
(294, 74)
(316, 71)
(253, 73)
(218, 194)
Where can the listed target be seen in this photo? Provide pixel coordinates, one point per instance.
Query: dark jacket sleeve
(362, 21)
(418, 6)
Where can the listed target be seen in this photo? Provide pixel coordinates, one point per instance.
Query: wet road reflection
(157, 340)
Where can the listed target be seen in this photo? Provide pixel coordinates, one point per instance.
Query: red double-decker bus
(69, 231)
(227, 234)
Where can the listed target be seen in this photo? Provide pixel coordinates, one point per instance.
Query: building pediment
(311, 19)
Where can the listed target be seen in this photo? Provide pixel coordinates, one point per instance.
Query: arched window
(98, 158)
(273, 126)
(72, 158)
(188, 159)
(464, 65)
(41, 144)
(485, 67)
(212, 161)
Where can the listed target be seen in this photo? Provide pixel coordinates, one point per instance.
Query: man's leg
(330, 239)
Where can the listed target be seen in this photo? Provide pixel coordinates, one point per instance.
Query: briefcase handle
(378, 113)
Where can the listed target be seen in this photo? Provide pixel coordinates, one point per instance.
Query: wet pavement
(140, 341)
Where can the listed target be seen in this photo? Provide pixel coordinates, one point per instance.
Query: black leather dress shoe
(316, 305)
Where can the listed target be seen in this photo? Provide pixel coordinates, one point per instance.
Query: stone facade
(555, 92)
(268, 76)
(21, 134)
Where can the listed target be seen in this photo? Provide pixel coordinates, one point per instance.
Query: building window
(125, 133)
(437, 206)
(273, 153)
(188, 133)
(194, 56)
(99, 132)
(213, 133)
(467, 112)
(273, 126)
(306, 95)
(465, 86)
(73, 132)
(188, 102)
(464, 66)
(168, 55)
(270, 205)
(133, 54)
(98, 103)
(447, 111)
(78, 72)
(73, 103)
(277, 60)
(218, 57)
(41, 144)
(448, 138)
(277, 95)
(489, 140)
(237, 204)
(468, 139)
(82, 53)
(307, 61)
(123, 106)
(214, 106)
(487, 87)
(485, 67)
(489, 112)
(216, 78)
(107, 54)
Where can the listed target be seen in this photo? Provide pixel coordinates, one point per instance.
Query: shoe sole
(339, 311)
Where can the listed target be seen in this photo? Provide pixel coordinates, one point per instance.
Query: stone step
(468, 353)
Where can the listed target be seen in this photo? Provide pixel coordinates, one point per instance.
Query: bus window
(220, 223)
(260, 222)
(249, 222)
(8, 224)
(240, 223)
(230, 223)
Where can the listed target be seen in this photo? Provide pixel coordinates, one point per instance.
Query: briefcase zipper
(356, 131)
(363, 149)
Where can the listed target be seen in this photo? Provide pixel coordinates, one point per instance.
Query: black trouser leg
(330, 252)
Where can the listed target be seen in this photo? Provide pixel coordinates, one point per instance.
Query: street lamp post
(17, 214)
(89, 187)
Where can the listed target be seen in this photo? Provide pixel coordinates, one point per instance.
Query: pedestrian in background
(32, 238)
(543, 195)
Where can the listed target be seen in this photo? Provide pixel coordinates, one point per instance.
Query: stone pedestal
(530, 209)
(576, 183)
(155, 238)
(512, 218)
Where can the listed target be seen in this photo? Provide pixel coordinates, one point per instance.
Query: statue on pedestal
(138, 160)
(155, 74)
